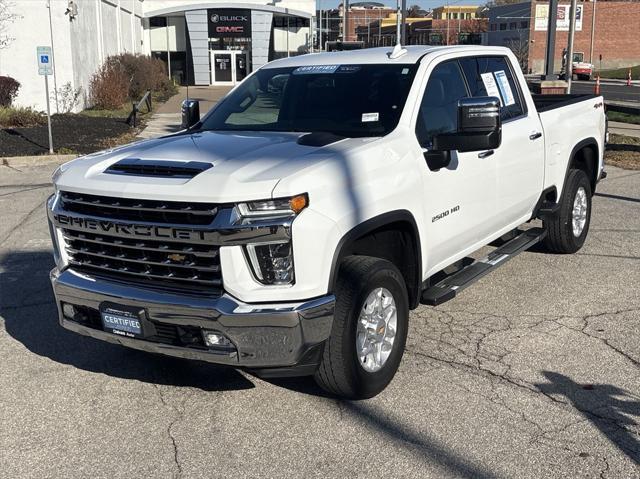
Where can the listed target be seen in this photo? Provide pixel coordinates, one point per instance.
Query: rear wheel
(369, 329)
(568, 229)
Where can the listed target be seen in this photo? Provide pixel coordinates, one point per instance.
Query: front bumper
(277, 339)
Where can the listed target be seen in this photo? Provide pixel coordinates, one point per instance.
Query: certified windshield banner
(315, 69)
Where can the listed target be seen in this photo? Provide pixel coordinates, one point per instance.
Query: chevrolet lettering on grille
(132, 230)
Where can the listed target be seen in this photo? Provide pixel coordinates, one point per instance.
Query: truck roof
(379, 55)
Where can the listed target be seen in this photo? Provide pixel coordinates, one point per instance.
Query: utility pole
(345, 20)
(551, 42)
(404, 22)
(448, 19)
(593, 29)
(320, 28)
(398, 15)
(572, 30)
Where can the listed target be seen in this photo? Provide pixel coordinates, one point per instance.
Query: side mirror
(190, 113)
(479, 126)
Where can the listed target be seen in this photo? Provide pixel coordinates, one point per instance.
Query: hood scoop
(319, 138)
(158, 168)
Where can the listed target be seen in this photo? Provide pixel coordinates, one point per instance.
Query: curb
(35, 160)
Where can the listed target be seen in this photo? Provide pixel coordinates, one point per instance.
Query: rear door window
(492, 76)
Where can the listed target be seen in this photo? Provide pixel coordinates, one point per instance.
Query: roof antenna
(397, 51)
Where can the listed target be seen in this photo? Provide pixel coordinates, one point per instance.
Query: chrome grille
(163, 262)
(160, 212)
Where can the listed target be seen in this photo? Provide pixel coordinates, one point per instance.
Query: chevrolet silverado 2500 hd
(291, 229)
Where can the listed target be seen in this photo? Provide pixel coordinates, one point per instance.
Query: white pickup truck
(291, 229)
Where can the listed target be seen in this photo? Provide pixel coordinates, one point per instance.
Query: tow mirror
(190, 113)
(479, 127)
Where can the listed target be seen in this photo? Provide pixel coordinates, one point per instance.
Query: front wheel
(369, 329)
(568, 229)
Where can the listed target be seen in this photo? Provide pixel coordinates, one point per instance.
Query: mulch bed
(74, 133)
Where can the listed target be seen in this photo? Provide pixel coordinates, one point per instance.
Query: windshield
(347, 100)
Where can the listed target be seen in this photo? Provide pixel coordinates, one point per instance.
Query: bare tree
(520, 47)
(414, 11)
(7, 17)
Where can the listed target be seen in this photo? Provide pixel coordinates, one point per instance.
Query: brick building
(426, 31)
(614, 36)
(360, 14)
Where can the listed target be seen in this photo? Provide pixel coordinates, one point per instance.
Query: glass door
(221, 68)
(229, 67)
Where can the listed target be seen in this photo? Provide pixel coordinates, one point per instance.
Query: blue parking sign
(45, 62)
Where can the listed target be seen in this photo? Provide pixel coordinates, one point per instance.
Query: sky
(425, 4)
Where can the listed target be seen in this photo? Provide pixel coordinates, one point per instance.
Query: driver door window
(439, 108)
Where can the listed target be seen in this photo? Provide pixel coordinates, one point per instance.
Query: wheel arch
(375, 237)
(585, 156)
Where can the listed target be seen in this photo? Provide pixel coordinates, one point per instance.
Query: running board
(447, 289)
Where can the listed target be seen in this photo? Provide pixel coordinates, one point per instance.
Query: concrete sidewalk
(628, 129)
(167, 117)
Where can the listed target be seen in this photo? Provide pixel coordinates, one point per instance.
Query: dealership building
(202, 42)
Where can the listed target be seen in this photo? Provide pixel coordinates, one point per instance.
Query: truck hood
(246, 166)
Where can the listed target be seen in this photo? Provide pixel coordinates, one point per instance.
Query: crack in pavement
(22, 222)
(177, 417)
(33, 187)
(462, 344)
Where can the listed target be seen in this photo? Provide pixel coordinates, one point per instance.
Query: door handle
(535, 136)
(485, 154)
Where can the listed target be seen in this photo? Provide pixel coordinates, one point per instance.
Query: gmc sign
(229, 23)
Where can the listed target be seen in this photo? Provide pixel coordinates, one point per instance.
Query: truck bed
(551, 102)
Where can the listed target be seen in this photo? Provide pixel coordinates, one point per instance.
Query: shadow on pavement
(30, 316)
(618, 197)
(609, 408)
(426, 448)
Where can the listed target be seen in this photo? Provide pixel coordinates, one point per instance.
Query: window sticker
(490, 85)
(315, 69)
(405, 71)
(505, 88)
(367, 117)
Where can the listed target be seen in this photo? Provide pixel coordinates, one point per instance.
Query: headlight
(275, 208)
(56, 175)
(272, 263)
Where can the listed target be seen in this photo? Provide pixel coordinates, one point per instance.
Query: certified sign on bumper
(121, 320)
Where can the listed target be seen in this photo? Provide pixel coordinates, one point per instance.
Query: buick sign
(229, 23)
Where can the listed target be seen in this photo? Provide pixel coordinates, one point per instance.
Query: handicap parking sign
(45, 66)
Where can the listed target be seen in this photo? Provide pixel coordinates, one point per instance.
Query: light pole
(551, 41)
(593, 30)
(568, 70)
(53, 53)
(404, 22)
(320, 28)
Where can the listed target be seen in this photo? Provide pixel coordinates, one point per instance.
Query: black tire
(560, 237)
(340, 372)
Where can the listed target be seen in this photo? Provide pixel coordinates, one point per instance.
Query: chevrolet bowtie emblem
(177, 258)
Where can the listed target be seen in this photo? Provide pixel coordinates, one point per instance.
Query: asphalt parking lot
(533, 372)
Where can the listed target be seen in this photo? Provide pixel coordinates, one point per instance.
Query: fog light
(272, 262)
(69, 311)
(213, 339)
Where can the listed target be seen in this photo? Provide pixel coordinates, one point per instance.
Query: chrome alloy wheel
(376, 330)
(579, 214)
